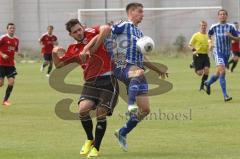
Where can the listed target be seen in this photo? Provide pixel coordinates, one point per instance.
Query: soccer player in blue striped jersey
(129, 68)
(223, 33)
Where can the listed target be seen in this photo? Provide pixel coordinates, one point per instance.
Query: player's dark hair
(10, 24)
(50, 26)
(222, 10)
(133, 6)
(71, 23)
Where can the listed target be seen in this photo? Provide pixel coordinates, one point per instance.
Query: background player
(235, 50)
(48, 41)
(223, 33)
(199, 46)
(8, 48)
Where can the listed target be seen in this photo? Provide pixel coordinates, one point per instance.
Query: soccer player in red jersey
(235, 50)
(100, 90)
(48, 41)
(8, 48)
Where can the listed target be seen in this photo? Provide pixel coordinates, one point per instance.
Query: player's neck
(134, 22)
(10, 35)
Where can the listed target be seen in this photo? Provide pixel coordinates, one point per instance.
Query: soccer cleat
(208, 88)
(6, 103)
(121, 140)
(227, 98)
(132, 109)
(93, 153)
(86, 147)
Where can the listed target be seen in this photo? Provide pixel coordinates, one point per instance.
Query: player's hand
(4, 56)
(58, 50)
(84, 55)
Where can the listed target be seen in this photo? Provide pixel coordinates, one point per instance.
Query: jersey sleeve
(193, 40)
(234, 32)
(118, 28)
(211, 31)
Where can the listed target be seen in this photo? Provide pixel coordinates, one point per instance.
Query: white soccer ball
(145, 44)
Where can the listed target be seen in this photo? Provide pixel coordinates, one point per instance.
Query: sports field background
(30, 129)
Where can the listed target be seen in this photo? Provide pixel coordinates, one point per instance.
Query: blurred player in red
(235, 50)
(48, 41)
(8, 48)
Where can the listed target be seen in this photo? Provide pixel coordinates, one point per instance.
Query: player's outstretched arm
(151, 66)
(232, 37)
(97, 41)
(56, 60)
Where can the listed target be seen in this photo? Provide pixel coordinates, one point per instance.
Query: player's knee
(85, 106)
(199, 72)
(101, 113)
(144, 111)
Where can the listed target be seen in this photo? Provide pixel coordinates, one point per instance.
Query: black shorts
(103, 91)
(200, 61)
(8, 71)
(237, 53)
(47, 57)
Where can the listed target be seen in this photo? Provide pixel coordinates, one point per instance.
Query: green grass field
(30, 129)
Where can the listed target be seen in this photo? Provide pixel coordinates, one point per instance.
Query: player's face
(203, 27)
(50, 30)
(222, 16)
(77, 32)
(137, 14)
(11, 30)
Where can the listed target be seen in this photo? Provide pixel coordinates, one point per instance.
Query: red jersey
(9, 46)
(98, 64)
(235, 46)
(48, 43)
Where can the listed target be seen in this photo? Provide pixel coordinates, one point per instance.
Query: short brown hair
(50, 26)
(133, 6)
(223, 10)
(9, 24)
(71, 23)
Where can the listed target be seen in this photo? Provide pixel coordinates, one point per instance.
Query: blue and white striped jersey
(222, 43)
(126, 35)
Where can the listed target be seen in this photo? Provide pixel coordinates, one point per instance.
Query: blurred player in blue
(223, 33)
(129, 68)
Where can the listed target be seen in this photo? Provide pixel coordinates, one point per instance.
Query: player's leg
(108, 95)
(219, 61)
(50, 66)
(10, 73)
(206, 66)
(85, 105)
(135, 76)
(222, 80)
(45, 62)
(199, 67)
(235, 61)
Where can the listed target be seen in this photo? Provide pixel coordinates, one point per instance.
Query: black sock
(234, 65)
(204, 78)
(8, 92)
(88, 126)
(49, 69)
(44, 64)
(99, 132)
